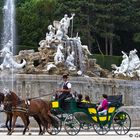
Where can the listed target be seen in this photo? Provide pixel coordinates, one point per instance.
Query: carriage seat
(85, 105)
(115, 100)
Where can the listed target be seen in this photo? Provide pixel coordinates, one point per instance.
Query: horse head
(10, 99)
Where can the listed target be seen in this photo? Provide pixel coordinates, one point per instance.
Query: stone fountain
(37, 74)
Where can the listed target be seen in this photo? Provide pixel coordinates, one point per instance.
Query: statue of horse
(38, 108)
(134, 63)
(122, 69)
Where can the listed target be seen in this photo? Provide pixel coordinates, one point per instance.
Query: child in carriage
(102, 108)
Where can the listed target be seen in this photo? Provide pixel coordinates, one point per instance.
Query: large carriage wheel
(55, 128)
(121, 123)
(71, 125)
(101, 129)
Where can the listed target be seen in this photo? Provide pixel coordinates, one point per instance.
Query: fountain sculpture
(9, 64)
(130, 66)
(59, 53)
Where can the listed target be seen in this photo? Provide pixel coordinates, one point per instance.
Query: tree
(33, 18)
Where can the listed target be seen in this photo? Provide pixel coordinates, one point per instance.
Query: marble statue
(65, 21)
(134, 63)
(130, 66)
(50, 66)
(85, 48)
(8, 61)
(50, 37)
(122, 69)
(59, 56)
(70, 52)
(59, 33)
(70, 60)
(51, 34)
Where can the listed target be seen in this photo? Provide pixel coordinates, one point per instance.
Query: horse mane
(15, 99)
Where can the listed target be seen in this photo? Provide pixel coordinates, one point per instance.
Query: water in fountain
(8, 39)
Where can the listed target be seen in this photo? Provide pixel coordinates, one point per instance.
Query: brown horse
(8, 113)
(38, 108)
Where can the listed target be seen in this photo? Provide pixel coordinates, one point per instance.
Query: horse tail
(55, 121)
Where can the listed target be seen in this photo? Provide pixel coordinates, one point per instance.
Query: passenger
(65, 91)
(80, 98)
(87, 99)
(86, 103)
(102, 108)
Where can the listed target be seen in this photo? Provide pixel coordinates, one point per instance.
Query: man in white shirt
(65, 90)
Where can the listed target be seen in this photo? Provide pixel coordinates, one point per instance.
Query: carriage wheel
(71, 125)
(121, 123)
(55, 128)
(101, 129)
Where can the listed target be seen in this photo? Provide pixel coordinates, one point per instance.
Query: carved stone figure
(66, 22)
(59, 56)
(134, 63)
(122, 69)
(70, 60)
(50, 37)
(8, 61)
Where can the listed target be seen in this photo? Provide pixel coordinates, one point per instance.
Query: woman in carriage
(102, 108)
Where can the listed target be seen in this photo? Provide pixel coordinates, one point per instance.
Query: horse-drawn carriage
(74, 118)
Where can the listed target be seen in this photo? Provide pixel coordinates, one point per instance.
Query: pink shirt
(104, 104)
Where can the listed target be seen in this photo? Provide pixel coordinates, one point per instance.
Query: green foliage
(106, 26)
(105, 61)
(137, 37)
(33, 20)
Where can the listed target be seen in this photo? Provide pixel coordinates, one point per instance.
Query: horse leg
(10, 119)
(46, 119)
(43, 123)
(39, 124)
(6, 123)
(26, 122)
(13, 124)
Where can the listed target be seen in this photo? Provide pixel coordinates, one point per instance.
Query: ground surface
(132, 135)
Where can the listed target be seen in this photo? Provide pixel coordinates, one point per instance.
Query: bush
(105, 61)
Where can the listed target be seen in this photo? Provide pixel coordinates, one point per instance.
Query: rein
(41, 96)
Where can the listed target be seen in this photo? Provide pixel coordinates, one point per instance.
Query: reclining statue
(8, 61)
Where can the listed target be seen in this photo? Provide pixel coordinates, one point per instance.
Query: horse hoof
(30, 133)
(9, 133)
(41, 133)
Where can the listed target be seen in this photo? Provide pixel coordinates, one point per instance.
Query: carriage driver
(65, 90)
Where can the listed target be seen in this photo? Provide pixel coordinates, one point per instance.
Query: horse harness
(18, 107)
